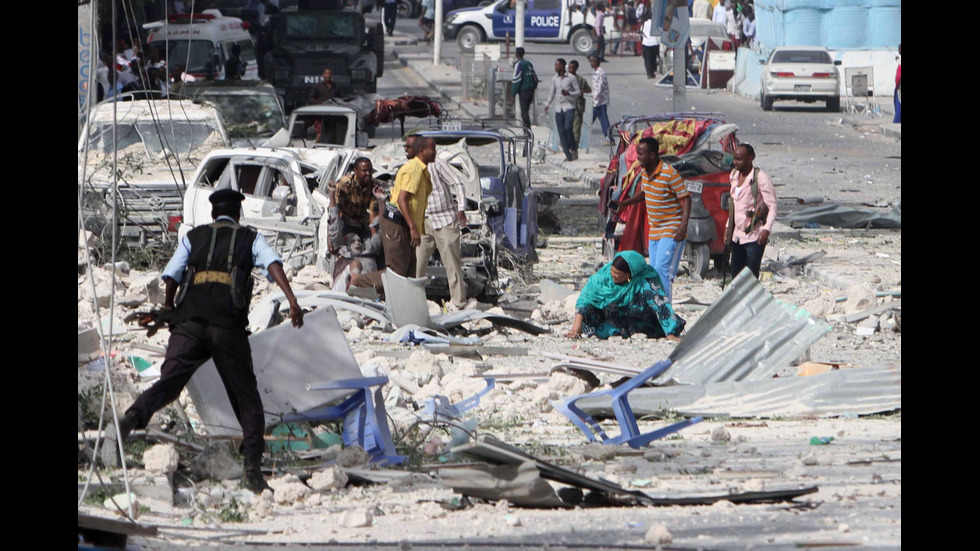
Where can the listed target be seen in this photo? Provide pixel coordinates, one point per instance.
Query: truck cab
(544, 21)
(316, 36)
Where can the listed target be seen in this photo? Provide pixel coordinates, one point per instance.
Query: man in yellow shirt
(403, 221)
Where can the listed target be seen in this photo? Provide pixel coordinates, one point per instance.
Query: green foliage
(233, 512)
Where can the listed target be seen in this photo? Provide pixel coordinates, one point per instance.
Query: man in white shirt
(719, 15)
(650, 37)
(701, 9)
(732, 24)
(565, 87)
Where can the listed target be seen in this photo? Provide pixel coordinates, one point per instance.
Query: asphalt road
(807, 150)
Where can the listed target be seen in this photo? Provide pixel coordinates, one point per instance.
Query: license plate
(801, 88)
(694, 187)
(452, 126)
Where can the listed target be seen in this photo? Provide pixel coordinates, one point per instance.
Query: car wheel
(583, 41)
(697, 256)
(406, 9)
(833, 104)
(468, 37)
(767, 102)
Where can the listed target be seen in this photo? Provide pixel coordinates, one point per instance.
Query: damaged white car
(282, 187)
(152, 147)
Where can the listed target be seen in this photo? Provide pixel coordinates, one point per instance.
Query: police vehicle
(544, 21)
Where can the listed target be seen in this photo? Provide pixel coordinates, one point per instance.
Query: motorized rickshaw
(700, 147)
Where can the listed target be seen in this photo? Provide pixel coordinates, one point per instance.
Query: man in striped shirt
(668, 207)
(444, 216)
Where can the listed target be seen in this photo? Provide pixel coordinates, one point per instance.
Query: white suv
(801, 73)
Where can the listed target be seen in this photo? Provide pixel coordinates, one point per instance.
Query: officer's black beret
(223, 196)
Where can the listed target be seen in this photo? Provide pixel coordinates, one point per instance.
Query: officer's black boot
(127, 424)
(253, 480)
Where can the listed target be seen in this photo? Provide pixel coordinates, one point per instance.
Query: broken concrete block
(161, 459)
(551, 291)
(354, 456)
(158, 487)
(289, 489)
(331, 478)
(425, 365)
(121, 268)
(858, 299)
(659, 535)
(216, 462)
(720, 434)
(88, 345)
(820, 306)
(122, 501)
(262, 504)
(356, 519)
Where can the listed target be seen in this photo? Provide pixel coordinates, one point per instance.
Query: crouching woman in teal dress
(625, 297)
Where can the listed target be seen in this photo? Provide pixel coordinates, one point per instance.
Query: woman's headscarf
(601, 291)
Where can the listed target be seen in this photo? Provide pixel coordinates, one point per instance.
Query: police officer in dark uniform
(212, 266)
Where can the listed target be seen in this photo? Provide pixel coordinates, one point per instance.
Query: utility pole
(437, 35)
(519, 24)
(677, 33)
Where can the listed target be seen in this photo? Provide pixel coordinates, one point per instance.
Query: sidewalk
(590, 166)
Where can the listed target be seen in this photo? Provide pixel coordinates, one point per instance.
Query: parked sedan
(701, 31)
(800, 73)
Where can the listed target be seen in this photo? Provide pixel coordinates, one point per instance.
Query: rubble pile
(319, 490)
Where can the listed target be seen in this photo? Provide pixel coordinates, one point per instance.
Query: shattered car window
(248, 115)
(101, 138)
(180, 137)
(700, 163)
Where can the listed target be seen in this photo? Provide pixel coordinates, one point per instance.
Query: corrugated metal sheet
(861, 391)
(746, 335)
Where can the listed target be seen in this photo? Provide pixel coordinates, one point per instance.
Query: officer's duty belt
(212, 277)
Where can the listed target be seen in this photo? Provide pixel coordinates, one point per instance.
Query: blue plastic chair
(364, 416)
(629, 432)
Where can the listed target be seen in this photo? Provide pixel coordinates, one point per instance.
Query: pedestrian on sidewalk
(565, 88)
(523, 85)
(213, 265)
(600, 30)
(650, 40)
(752, 214)
(428, 19)
(583, 85)
(403, 220)
(600, 98)
(390, 10)
(445, 215)
(668, 206)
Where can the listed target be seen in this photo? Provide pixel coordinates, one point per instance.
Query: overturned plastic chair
(364, 416)
(629, 432)
(285, 360)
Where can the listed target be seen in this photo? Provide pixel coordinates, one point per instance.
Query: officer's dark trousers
(191, 344)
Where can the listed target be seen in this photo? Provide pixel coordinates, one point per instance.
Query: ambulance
(202, 43)
(544, 21)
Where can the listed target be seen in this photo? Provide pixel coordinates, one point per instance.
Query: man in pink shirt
(754, 216)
